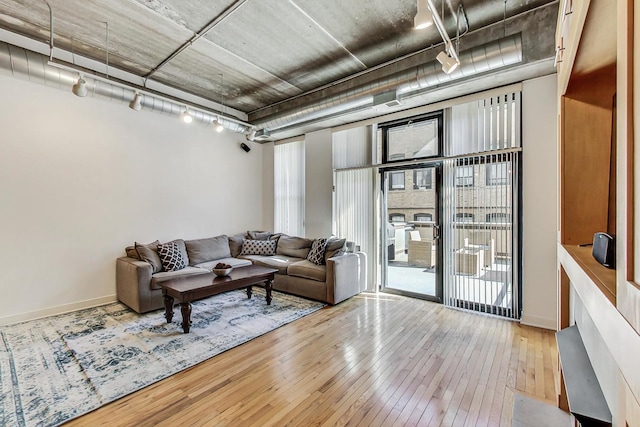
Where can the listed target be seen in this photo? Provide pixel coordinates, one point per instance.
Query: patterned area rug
(58, 368)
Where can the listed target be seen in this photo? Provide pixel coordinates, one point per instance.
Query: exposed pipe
(28, 65)
(488, 57)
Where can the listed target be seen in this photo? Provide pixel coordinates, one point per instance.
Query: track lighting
(423, 18)
(136, 103)
(80, 88)
(448, 63)
(217, 125)
(185, 116)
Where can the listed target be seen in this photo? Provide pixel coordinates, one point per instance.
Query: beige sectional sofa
(340, 275)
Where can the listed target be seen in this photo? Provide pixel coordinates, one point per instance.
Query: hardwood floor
(372, 360)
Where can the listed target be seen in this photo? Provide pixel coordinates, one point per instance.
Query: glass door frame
(427, 161)
(439, 270)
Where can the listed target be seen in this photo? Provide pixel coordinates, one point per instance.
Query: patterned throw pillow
(258, 247)
(316, 254)
(171, 256)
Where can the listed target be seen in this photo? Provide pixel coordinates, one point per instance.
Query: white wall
(540, 184)
(81, 178)
(318, 183)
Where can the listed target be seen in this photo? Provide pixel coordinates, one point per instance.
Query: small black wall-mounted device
(604, 249)
(245, 147)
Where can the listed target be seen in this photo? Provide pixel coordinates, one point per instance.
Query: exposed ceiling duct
(27, 65)
(488, 57)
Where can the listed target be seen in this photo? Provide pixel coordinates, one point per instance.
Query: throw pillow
(316, 254)
(293, 246)
(258, 247)
(131, 252)
(258, 235)
(203, 250)
(149, 253)
(335, 247)
(172, 256)
(235, 244)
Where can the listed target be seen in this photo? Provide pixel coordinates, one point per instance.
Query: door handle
(436, 232)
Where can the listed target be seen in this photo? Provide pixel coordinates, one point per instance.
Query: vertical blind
(289, 192)
(355, 213)
(480, 209)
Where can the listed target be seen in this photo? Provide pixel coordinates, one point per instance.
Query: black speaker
(245, 147)
(604, 249)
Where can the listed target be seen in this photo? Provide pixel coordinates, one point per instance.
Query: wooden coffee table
(190, 288)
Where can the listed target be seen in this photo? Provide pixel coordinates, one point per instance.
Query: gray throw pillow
(258, 235)
(131, 252)
(293, 246)
(316, 254)
(149, 253)
(203, 250)
(335, 247)
(235, 244)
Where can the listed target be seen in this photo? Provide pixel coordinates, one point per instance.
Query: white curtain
(289, 184)
(355, 212)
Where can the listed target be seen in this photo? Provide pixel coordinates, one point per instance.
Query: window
(463, 217)
(499, 217)
(396, 180)
(498, 174)
(396, 217)
(464, 176)
(423, 217)
(422, 179)
(289, 188)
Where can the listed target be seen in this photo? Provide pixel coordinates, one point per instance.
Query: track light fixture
(80, 88)
(185, 116)
(448, 63)
(217, 125)
(136, 103)
(449, 58)
(423, 18)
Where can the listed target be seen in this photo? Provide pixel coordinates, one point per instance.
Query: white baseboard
(539, 321)
(60, 309)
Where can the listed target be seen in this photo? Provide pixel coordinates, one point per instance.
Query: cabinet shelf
(604, 278)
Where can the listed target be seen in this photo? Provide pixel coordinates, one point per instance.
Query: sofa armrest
(133, 284)
(346, 276)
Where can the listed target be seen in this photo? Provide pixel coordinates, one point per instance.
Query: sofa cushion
(163, 276)
(293, 246)
(233, 262)
(335, 247)
(203, 250)
(308, 270)
(258, 235)
(316, 254)
(279, 262)
(235, 244)
(173, 255)
(258, 247)
(149, 253)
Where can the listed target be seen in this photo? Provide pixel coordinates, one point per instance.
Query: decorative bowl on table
(221, 269)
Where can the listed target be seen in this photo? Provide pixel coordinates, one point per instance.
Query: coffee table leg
(268, 286)
(249, 291)
(185, 308)
(168, 308)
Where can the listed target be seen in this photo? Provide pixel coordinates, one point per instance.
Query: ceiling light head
(136, 103)
(185, 116)
(80, 88)
(423, 18)
(217, 125)
(448, 63)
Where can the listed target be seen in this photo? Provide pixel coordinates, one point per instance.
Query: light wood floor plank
(372, 360)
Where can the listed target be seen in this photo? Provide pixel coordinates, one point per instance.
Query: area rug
(58, 368)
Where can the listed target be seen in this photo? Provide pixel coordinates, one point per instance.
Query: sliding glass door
(411, 232)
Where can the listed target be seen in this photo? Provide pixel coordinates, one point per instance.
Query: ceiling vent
(390, 99)
(262, 135)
